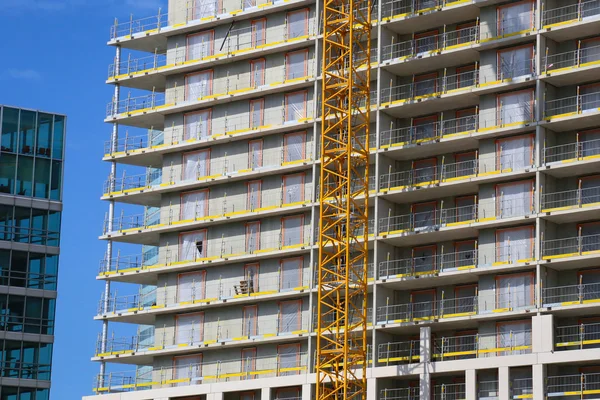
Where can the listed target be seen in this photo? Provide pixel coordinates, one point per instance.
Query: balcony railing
(450, 391)
(503, 116)
(522, 388)
(125, 183)
(199, 292)
(395, 353)
(427, 265)
(488, 390)
(570, 247)
(411, 393)
(482, 345)
(219, 332)
(581, 57)
(404, 8)
(582, 336)
(582, 197)
(220, 87)
(430, 44)
(578, 386)
(209, 372)
(571, 13)
(568, 106)
(197, 212)
(444, 217)
(508, 300)
(132, 143)
(572, 151)
(434, 175)
(211, 250)
(571, 295)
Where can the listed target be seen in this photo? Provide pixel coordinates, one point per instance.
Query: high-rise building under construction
(484, 233)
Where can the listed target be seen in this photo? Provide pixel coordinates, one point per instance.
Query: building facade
(31, 174)
(484, 196)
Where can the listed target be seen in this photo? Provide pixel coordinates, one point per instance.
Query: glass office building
(31, 170)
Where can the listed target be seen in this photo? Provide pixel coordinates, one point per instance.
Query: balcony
(571, 248)
(450, 391)
(141, 349)
(488, 390)
(571, 199)
(148, 111)
(559, 69)
(572, 113)
(210, 293)
(411, 393)
(573, 295)
(464, 347)
(581, 336)
(580, 151)
(395, 353)
(571, 21)
(145, 269)
(209, 372)
(578, 386)
(445, 309)
(427, 266)
(152, 71)
(146, 228)
(147, 189)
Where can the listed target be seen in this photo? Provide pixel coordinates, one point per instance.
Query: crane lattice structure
(343, 246)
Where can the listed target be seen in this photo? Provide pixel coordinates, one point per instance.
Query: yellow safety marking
(591, 301)
(429, 318)
(205, 300)
(294, 162)
(590, 157)
(455, 315)
(525, 260)
(135, 309)
(557, 209)
(182, 380)
(293, 246)
(552, 118)
(459, 178)
(497, 263)
(155, 348)
(300, 288)
(560, 256)
(501, 310)
(240, 338)
(570, 303)
(587, 253)
(461, 223)
(486, 219)
(578, 343)
(233, 92)
(560, 23)
(466, 267)
(392, 359)
(458, 134)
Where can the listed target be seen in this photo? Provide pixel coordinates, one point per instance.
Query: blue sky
(55, 58)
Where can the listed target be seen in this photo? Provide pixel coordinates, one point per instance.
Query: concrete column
(372, 393)
(265, 393)
(425, 385)
(471, 384)
(425, 345)
(213, 396)
(542, 333)
(503, 383)
(539, 380)
(306, 391)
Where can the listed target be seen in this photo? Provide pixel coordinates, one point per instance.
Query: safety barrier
(411, 393)
(427, 265)
(570, 247)
(430, 44)
(488, 390)
(485, 210)
(581, 197)
(203, 170)
(583, 335)
(507, 300)
(570, 152)
(571, 295)
(578, 386)
(570, 14)
(395, 353)
(582, 57)
(450, 391)
(405, 8)
(462, 347)
(574, 105)
(437, 174)
(522, 388)
(204, 333)
(239, 369)
(205, 292)
(222, 248)
(209, 89)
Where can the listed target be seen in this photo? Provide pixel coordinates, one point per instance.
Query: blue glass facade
(31, 168)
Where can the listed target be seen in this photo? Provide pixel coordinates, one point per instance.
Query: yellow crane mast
(343, 246)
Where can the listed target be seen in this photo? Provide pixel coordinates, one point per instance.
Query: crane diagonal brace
(344, 207)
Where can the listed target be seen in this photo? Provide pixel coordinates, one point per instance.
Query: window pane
(7, 173)
(42, 178)
(53, 228)
(44, 129)
(55, 189)
(25, 176)
(10, 125)
(58, 137)
(4, 267)
(22, 224)
(27, 132)
(18, 268)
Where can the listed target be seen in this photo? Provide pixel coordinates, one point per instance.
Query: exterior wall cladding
(31, 172)
(485, 235)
